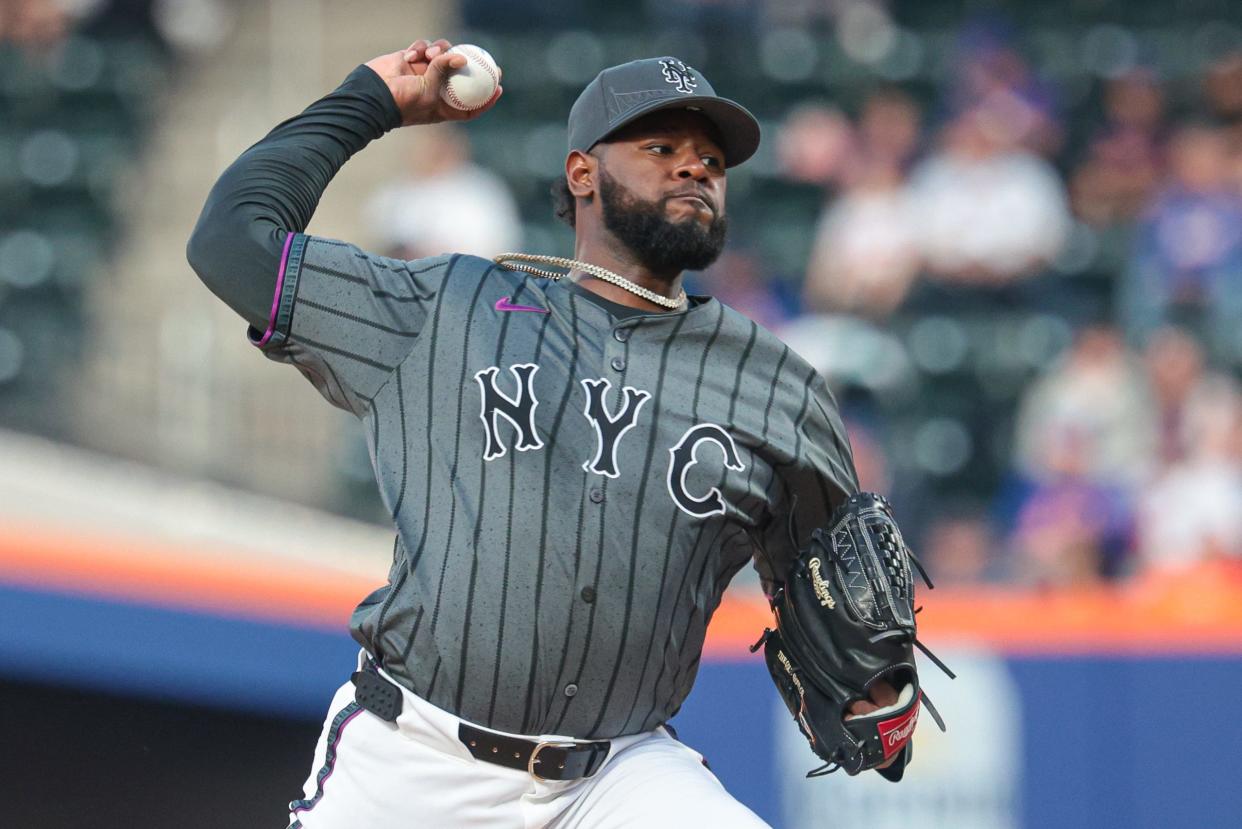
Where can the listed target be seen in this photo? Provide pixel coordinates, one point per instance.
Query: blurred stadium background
(1010, 233)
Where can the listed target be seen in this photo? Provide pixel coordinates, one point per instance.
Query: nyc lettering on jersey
(609, 426)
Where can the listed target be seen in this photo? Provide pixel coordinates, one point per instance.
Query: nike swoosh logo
(503, 304)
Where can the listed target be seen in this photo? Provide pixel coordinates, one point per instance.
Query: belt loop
(376, 694)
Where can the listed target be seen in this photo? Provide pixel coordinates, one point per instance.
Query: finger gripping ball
(473, 85)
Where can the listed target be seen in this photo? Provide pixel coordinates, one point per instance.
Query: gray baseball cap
(622, 94)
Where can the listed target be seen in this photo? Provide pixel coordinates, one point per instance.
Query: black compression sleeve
(273, 188)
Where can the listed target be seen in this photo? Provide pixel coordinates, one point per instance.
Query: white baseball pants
(416, 774)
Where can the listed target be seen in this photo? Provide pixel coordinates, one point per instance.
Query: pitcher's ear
(581, 170)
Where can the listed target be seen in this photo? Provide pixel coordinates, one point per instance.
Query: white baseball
(474, 84)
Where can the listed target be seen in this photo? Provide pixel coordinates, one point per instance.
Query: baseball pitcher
(577, 458)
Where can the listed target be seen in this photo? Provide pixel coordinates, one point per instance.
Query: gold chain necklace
(586, 267)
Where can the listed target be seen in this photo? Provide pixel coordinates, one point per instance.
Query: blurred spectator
(989, 73)
(1222, 87)
(1090, 415)
(1193, 510)
(1085, 441)
(447, 203)
(1124, 159)
(960, 550)
(866, 254)
(889, 127)
(866, 250)
(814, 145)
(33, 22)
(989, 211)
(870, 461)
(1174, 362)
(1187, 257)
(1223, 93)
(738, 279)
(1070, 531)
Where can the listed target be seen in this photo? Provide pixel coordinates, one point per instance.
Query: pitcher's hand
(882, 694)
(414, 77)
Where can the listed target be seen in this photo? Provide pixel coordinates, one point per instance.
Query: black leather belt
(550, 760)
(543, 760)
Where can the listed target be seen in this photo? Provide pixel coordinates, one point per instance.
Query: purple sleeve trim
(280, 284)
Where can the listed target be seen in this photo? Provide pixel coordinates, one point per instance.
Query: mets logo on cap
(679, 75)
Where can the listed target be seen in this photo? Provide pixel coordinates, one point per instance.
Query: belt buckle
(534, 756)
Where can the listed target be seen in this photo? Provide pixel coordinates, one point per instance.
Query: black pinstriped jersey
(572, 491)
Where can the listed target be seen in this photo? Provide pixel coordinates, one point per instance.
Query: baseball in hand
(474, 84)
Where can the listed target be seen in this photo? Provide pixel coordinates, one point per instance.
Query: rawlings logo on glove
(895, 733)
(821, 586)
(845, 621)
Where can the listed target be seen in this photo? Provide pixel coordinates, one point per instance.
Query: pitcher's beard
(659, 243)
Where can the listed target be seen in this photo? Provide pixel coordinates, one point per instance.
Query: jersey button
(597, 496)
(618, 364)
(588, 594)
(571, 689)
(621, 334)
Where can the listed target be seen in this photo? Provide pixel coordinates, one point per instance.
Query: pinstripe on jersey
(571, 492)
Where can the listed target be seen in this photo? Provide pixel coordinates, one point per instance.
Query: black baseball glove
(845, 620)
